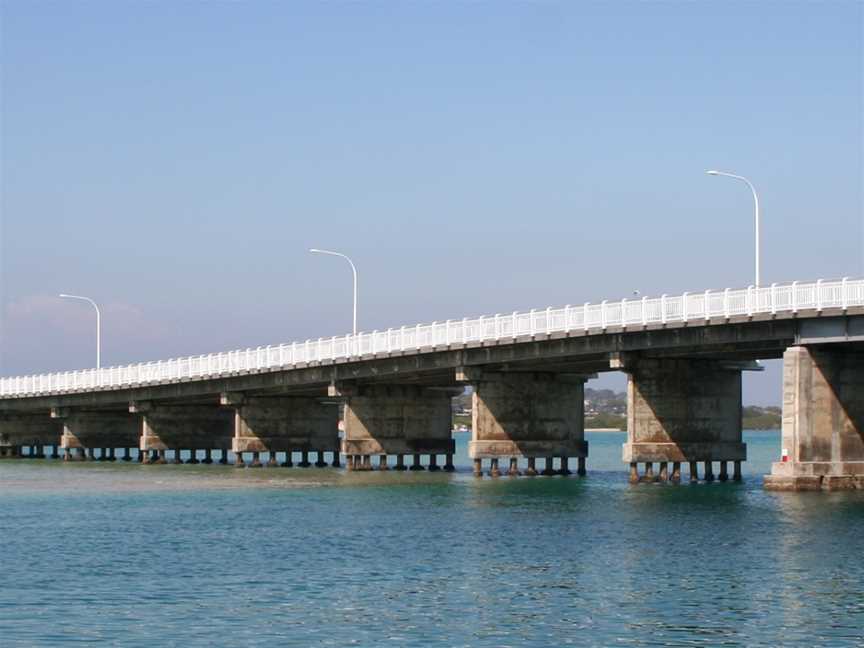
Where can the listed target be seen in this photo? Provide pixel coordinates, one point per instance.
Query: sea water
(131, 555)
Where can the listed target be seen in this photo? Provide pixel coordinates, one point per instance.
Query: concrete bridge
(683, 355)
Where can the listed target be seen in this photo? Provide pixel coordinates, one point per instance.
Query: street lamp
(756, 202)
(353, 270)
(98, 326)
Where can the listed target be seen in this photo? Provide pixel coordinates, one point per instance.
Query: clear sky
(175, 160)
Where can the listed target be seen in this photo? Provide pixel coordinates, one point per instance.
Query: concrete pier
(531, 415)
(178, 427)
(823, 420)
(90, 429)
(397, 420)
(27, 429)
(682, 410)
(283, 424)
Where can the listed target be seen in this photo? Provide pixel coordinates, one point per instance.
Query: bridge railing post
(844, 290)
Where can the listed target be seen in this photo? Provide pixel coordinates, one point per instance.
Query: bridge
(684, 356)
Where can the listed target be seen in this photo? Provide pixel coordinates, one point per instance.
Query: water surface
(134, 555)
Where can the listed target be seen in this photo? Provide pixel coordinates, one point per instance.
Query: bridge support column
(532, 415)
(283, 424)
(85, 430)
(823, 420)
(176, 427)
(34, 430)
(398, 420)
(681, 410)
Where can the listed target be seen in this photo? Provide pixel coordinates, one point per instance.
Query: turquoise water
(134, 555)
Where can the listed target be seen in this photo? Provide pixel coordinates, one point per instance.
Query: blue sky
(175, 161)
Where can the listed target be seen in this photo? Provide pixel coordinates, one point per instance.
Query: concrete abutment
(823, 420)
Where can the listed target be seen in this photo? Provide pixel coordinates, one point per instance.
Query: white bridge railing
(592, 318)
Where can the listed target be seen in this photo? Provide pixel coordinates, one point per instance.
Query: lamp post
(756, 203)
(98, 325)
(353, 270)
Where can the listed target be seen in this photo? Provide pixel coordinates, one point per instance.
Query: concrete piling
(494, 471)
(736, 475)
(433, 463)
(709, 471)
(193, 456)
(256, 460)
(564, 469)
(208, 457)
(127, 454)
(289, 460)
(400, 462)
(581, 468)
(513, 471)
(320, 463)
(724, 474)
(694, 472)
(676, 472)
(478, 467)
(448, 465)
(272, 461)
(304, 459)
(335, 463)
(649, 472)
(416, 465)
(238, 460)
(634, 472)
(664, 472)
(531, 470)
(382, 462)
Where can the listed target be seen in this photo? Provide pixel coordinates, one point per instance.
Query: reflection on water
(197, 555)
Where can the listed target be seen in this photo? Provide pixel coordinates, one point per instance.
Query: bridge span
(683, 355)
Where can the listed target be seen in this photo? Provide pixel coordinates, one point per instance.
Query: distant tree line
(605, 408)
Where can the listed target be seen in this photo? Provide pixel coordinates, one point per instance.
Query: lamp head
(712, 172)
